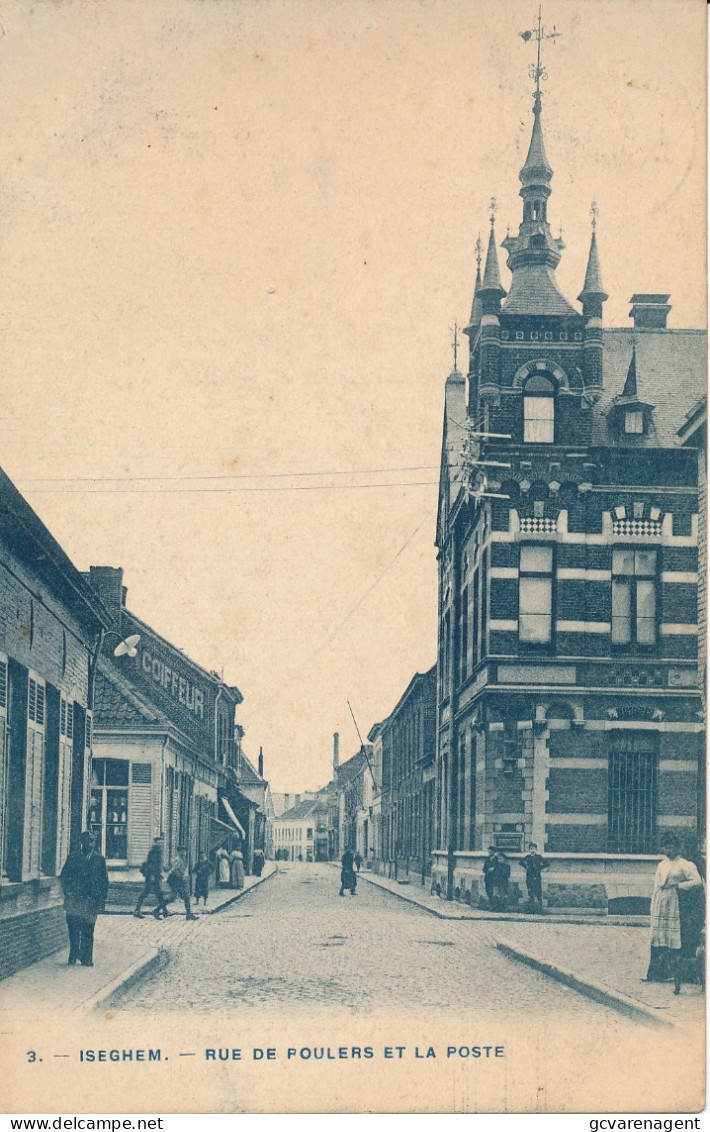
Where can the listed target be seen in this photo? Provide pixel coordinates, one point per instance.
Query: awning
(220, 832)
(232, 816)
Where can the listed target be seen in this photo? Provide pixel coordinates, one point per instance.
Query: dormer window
(633, 422)
(539, 411)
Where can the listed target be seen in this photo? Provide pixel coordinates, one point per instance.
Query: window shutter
(140, 826)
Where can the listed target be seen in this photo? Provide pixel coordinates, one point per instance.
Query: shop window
(108, 808)
(539, 411)
(535, 595)
(633, 778)
(634, 599)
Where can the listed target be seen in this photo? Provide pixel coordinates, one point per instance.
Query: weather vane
(539, 33)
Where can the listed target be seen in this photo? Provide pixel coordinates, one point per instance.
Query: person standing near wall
(534, 863)
(84, 881)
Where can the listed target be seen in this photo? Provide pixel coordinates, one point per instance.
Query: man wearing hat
(84, 881)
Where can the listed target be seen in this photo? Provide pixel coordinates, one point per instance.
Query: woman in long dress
(674, 875)
(222, 859)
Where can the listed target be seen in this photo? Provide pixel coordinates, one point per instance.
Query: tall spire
(593, 294)
(534, 253)
(537, 169)
(476, 306)
(491, 289)
(630, 389)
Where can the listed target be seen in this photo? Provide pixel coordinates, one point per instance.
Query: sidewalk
(609, 959)
(602, 957)
(125, 949)
(416, 893)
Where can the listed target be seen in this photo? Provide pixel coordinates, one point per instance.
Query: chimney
(649, 312)
(336, 750)
(107, 581)
(261, 762)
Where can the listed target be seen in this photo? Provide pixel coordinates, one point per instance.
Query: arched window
(539, 410)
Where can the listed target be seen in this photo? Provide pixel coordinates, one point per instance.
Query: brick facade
(50, 629)
(567, 674)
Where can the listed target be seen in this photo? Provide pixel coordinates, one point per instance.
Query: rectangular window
(633, 422)
(463, 643)
(535, 595)
(108, 807)
(634, 597)
(633, 780)
(539, 420)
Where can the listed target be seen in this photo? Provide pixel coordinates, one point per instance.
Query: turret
(491, 292)
(592, 297)
(534, 253)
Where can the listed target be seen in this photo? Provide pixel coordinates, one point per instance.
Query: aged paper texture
(235, 236)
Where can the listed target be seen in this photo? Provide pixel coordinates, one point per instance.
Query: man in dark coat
(348, 877)
(84, 881)
(534, 863)
(152, 870)
(496, 873)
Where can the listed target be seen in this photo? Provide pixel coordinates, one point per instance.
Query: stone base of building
(32, 924)
(605, 883)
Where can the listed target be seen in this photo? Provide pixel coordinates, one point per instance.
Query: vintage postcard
(353, 519)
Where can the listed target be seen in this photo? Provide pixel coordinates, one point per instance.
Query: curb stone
(145, 963)
(605, 995)
(459, 913)
(151, 959)
(242, 892)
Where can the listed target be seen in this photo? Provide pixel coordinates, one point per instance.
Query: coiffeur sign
(175, 685)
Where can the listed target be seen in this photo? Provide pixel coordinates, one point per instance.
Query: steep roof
(118, 705)
(354, 765)
(671, 374)
(534, 290)
(299, 812)
(248, 775)
(27, 537)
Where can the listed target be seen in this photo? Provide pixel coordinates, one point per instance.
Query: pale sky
(234, 236)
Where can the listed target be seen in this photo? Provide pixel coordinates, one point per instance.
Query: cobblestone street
(294, 945)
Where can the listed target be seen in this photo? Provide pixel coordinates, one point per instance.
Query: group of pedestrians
(496, 876)
(177, 879)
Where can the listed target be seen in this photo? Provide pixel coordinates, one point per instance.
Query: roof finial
(455, 344)
(537, 71)
(494, 209)
(479, 250)
(594, 212)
